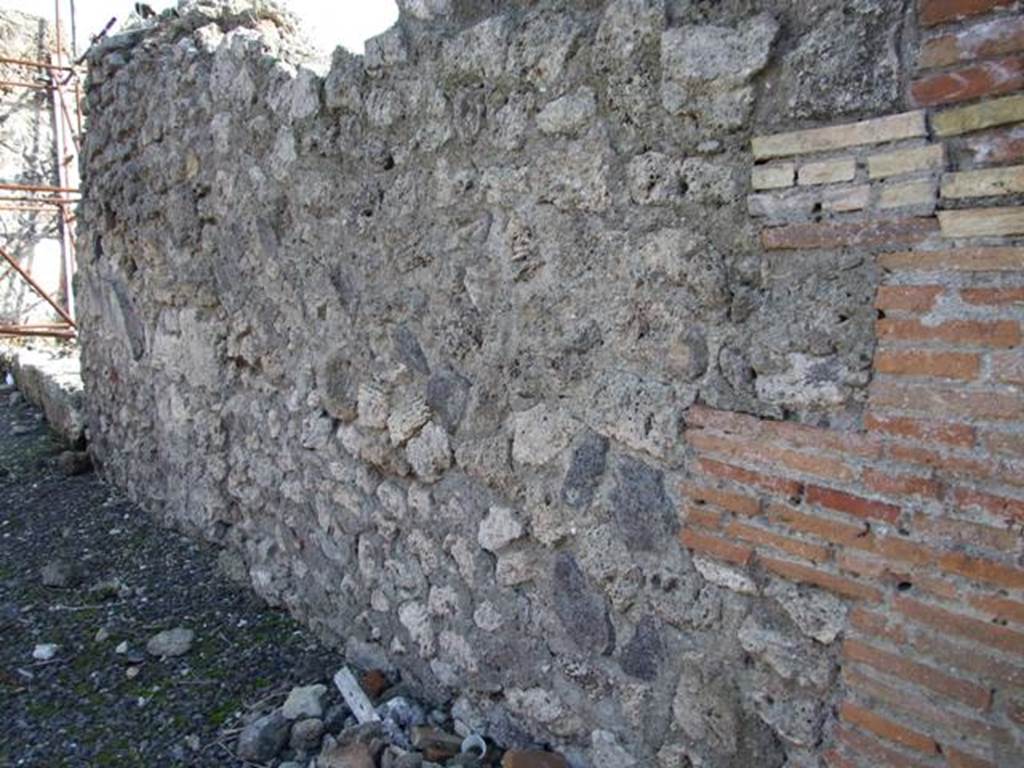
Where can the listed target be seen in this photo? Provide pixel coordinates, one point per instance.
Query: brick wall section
(917, 519)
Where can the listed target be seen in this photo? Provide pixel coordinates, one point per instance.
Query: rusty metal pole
(60, 138)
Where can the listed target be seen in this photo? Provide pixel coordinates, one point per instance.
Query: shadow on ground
(101, 700)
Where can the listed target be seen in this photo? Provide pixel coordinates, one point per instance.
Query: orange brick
(723, 421)
(989, 259)
(1000, 608)
(913, 454)
(932, 12)
(935, 717)
(902, 485)
(818, 438)
(997, 505)
(878, 754)
(731, 501)
(959, 759)
(705, 518)
(980, 569)
(898, 548)
(983, 40)
(992, 296)
(715, 547)
(833, 582)
(759, 536)
(951, 402)
(851, 504)
(1003, 145)
(917, 429)
(973, 629)
(963, 660)
(985, 78)
(886, 729)
(817, 525)
(764, 452)
(848, 234)
(893, 573)
(948, 365)
(875, 625)
(983, 333)
(911, 298)
(789, 488)
(892, 664)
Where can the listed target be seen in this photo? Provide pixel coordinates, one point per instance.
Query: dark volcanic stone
(640, 506)
(583, 612)
(641, 657)
(589, 460)
(263, 738)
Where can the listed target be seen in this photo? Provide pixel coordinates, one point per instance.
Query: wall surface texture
(27, 156)
(644, 374)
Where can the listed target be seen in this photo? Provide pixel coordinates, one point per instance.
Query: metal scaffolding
(61, 77)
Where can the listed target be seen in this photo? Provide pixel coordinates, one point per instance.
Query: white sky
(328, 22)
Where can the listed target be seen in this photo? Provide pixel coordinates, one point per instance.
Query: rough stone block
(705, 69)
(927, 158)
(878, 130)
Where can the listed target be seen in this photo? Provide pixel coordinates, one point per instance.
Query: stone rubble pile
(370, 724)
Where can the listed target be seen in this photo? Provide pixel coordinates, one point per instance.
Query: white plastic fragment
(357, 701)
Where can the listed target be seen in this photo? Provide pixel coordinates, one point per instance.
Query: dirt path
(91, 705)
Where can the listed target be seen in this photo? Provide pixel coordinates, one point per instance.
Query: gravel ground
(91, 705)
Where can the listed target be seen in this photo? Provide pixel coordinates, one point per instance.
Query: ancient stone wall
(640, 372)
(27, 156)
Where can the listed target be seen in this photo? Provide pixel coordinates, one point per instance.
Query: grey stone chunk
(705, 69)
(587, 466)
(406, 419)
(499, 529)
(447, 395)
(338, 387)
(583, 611)
(606, 752)
(640, 506)
(59, 574)
(73, 463)
(409, 351)
(642, 655)
(818, 614)
(264, 738)
(540, 434)
(789, 655)
(429, 452)
(568, 114)
(304, 701)
(306, 734)
(171, 642)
